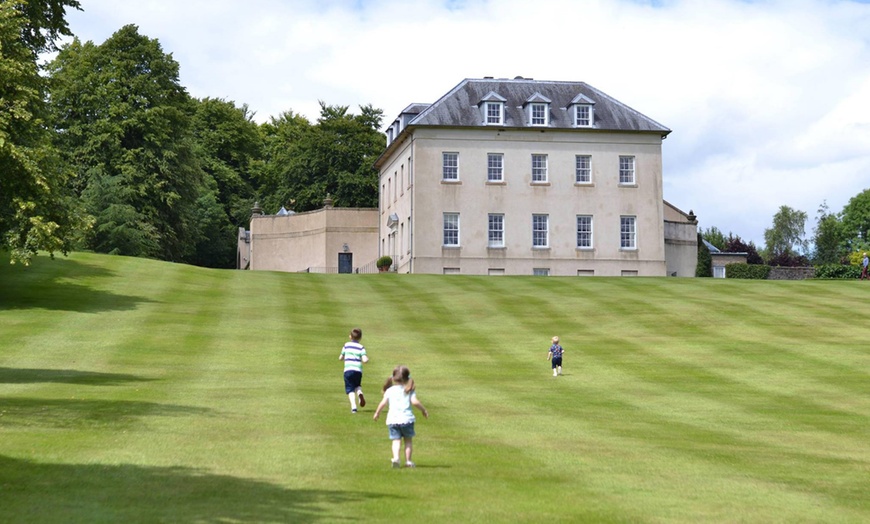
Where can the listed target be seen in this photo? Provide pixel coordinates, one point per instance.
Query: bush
(838, 271)
(749, 271)
(384, 261)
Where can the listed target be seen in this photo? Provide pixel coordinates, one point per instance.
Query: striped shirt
(353, 353)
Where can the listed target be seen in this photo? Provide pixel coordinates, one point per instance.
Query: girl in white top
(399, 393)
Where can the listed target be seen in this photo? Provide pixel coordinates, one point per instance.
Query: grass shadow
(65, 376)
(37, 492)
(85, 413)
(51, 284)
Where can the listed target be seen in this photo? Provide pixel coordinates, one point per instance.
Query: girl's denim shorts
(398, 431)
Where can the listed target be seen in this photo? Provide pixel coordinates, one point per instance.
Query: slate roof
(460, 106)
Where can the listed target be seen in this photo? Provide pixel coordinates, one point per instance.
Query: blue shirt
(556, 350)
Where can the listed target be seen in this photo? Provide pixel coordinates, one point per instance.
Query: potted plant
(384, 263)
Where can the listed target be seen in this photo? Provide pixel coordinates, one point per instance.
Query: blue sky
(769, 101)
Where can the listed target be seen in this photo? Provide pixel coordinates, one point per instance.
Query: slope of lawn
(139, 391)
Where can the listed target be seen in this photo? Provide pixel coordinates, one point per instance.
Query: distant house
(526, 177)
(720, 259)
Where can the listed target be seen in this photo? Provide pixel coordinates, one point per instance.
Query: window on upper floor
(494, 167)
(582, 116)
(583, 169)
(537, 108)
(583, 111)
(450, 166)
(584, 231)
(540, 231)
(626, 170)
(539, 168)
(628, 232)
(451, 229)
(538, 114)
(496, 230)
(494, 112)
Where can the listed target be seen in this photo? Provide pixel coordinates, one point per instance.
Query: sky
(768, 101)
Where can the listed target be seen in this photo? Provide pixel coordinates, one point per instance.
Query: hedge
(838, 271)
(750, 271)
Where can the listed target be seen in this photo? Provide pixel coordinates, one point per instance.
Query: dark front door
(345, 262)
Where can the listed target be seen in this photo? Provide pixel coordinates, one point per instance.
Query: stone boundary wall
(791, 273)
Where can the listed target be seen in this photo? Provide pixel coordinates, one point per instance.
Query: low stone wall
(791, 273)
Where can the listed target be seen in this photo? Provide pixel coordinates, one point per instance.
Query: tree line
(838, 238)
(103, 149)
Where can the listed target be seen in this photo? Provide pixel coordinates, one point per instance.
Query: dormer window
(584, 113)
(492, 107)
(538, 110)
(494, 112)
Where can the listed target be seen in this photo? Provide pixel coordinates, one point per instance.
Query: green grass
(140, 391)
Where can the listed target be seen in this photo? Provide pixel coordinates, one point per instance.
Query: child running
(400, 395)
(556, 355)
(354, 355)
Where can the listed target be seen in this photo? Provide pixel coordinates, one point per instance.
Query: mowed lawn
(140, 391)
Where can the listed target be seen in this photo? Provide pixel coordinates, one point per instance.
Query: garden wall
(791, 273)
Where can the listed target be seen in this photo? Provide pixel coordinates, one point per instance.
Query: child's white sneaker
(410, 464)
(395, 464)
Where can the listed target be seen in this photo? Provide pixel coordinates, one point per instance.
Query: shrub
(384, 261)
(749, 271)
(838, 271)
(705, 260)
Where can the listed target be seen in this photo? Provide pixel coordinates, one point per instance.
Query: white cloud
(767, 99)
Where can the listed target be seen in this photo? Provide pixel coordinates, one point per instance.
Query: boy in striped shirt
(354, 355)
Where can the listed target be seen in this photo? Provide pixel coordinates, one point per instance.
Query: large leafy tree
(123, 121)
(784, 240)
(829, 238)
(36, 210)
(230, 148)
(734, 244)
(856, 218)
(336, 156)
(714, 236)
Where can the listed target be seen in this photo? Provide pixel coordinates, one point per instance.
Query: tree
(122, 119)
(785, 238)
(336, 156)
(829, 238)
(856, 218)
(230, 149)
(714, 236)
(705, 260)
(36, 210)
(734, 244)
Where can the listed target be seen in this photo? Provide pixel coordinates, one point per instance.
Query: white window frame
(450, 229)
(628, 232)
(583, 115)
(495, 230)
(541, 271)
(627, 174)
(539, 114)
(539, 168)
(583, 169)
(493, 113)
(584, 231)
(450, 166)
(540, 231)
(495, 167)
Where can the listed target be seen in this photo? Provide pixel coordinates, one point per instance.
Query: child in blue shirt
(555, 355)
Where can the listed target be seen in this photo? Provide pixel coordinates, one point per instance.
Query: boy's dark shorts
(557, 361)
(352, 380)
